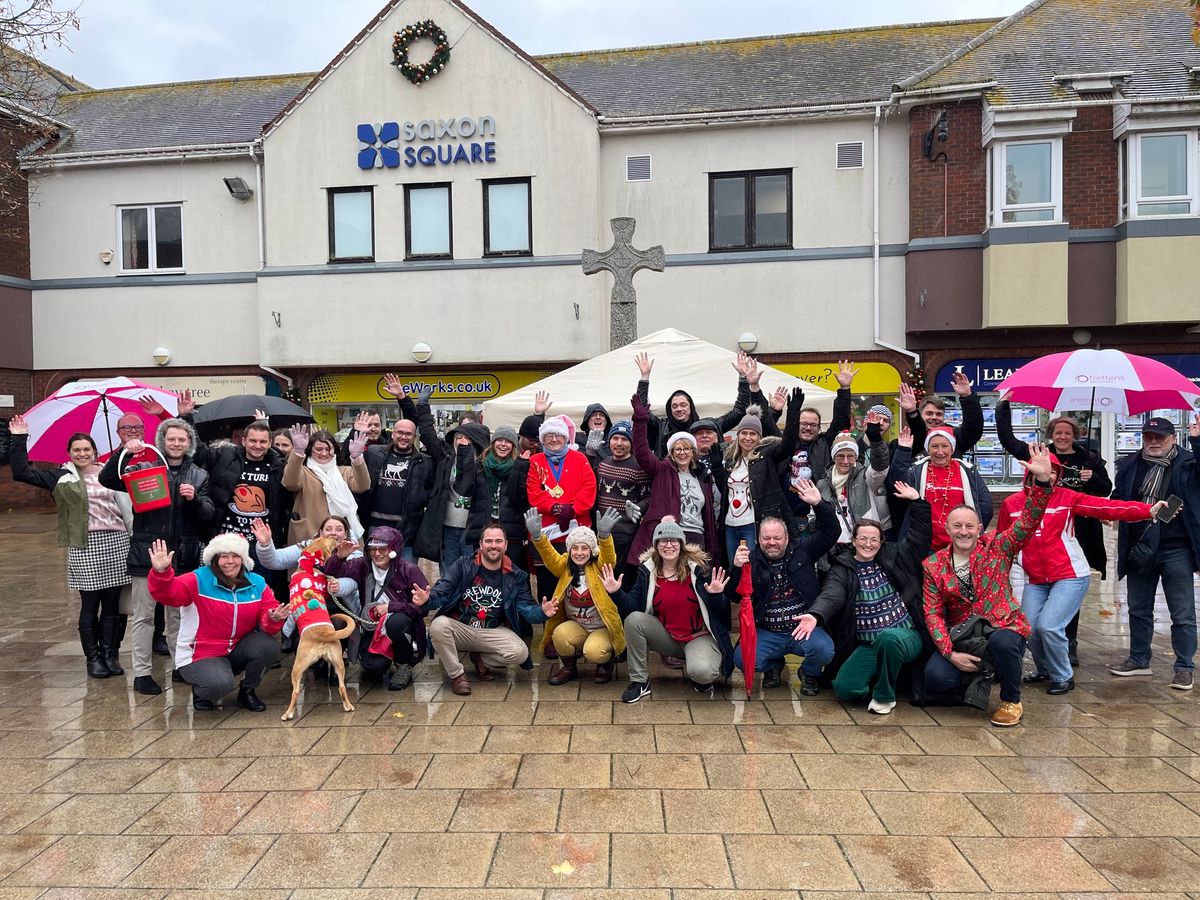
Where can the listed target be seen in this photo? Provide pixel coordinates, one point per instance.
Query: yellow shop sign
(448, 387)
(872, 377)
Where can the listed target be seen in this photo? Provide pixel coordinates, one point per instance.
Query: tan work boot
(1007, 714)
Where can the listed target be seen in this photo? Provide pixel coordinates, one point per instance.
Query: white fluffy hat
(583, 535)
(228, 543)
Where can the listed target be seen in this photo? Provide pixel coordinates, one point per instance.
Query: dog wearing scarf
(308, 596)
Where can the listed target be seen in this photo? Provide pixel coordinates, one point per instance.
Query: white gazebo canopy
(681, 362)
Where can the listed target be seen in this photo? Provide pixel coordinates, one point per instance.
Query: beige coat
(309, 508)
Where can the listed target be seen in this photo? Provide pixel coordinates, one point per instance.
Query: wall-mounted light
(238, 189)
(106, 256)
(421, 352)
(941, 131)
(161, 355)
(747, 342)
(1081, 336)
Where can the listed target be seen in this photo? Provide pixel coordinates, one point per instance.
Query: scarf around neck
(1154, 485)
(338, 496)
(496, 471)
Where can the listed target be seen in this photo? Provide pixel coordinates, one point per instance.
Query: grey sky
(122, 42)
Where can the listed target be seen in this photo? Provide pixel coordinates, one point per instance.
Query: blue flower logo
(378, 146)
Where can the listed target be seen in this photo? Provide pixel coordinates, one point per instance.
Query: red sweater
(1052, 553)
(575, 487)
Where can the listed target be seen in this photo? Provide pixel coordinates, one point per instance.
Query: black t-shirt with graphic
(249, 499)
(482, 604)
(391, 487)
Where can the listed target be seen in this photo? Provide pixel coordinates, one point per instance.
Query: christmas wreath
(419, 73)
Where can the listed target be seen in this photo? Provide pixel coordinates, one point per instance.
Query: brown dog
(318, 638)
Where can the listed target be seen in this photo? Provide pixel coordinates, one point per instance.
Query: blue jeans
(454, 546)
(1174, 568)
(1049, 608)
(817, 650)
(734, 534)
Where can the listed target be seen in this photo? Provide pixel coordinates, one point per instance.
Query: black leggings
(104, 602)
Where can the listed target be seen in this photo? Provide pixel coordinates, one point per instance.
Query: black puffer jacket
(444, 456)
(820, 453)
(766, 488)
(182, 524)
(473, 482)
(416, 489)
(224, 466)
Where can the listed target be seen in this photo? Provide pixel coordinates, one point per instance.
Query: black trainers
(776, 677)
(810, 686)
(1182, 680)
(247, 699)
(145, 684)
(702, 688)
(635, 692)
(401, 678)
(202, 705)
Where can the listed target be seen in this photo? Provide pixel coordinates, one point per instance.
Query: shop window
(351, 225)
(507, 218)
(1027, 178)
(151, 239)
(750, 210)
(1159, 174)
(427, 222)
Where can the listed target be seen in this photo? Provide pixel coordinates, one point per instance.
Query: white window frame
(1131, 193)
(151, 242)
(998, 168)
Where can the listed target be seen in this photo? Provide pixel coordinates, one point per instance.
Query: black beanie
(529, 427)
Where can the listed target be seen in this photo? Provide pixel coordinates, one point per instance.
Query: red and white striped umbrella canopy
(1100, 380)
(91, 407)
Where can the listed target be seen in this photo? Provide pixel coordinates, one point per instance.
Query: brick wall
(947, 197)
(19, 383)
(14, 203)
(1090, 177)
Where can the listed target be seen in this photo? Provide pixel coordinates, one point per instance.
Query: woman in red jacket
(1052, 574)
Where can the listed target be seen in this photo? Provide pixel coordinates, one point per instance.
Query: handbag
(1142, 554)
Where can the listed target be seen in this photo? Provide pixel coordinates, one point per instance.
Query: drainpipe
(875, 236)
(258, 206)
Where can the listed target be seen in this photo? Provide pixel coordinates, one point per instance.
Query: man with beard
(478, 602)
(681, 409)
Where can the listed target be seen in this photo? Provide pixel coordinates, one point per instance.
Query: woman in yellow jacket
(587, 622)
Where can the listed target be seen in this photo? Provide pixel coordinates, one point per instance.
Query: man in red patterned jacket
(968, 595)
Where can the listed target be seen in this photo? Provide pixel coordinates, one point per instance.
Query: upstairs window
(151, 238)
(351, 225)
(1159, 174)
(428, 224)
(750, 210)
(1027, 182)
(507, 218)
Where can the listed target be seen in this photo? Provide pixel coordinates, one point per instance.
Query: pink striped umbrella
(91, 407)
(1100, 380)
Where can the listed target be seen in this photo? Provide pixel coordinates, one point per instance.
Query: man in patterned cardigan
(968, 595)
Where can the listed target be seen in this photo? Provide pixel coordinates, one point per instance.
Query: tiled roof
(226, 111)
(32, 85)
(758, 73)
(1024, 53)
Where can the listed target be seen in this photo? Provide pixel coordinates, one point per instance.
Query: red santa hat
(941, 431)
(558, 425)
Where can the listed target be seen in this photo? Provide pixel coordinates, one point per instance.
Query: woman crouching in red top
(674, 612)
(221, 604)
(1051, 574)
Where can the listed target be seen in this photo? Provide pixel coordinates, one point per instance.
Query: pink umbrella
(91, 407)
(1102, 380)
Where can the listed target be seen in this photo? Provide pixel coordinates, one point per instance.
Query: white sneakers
(881, 709)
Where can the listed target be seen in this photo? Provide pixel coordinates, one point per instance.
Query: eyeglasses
(131, 428)
(868, 541)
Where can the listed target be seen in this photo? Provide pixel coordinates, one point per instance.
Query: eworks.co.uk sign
(392, 144)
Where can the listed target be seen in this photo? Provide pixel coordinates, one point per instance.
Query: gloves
(640, 409)
(533, 523)
(633, 512)
(358, 443)
(595, 440)
(604, 525)
(299, 436)
(563, 513)
(874, 433)
(795, 401)
(425, 393)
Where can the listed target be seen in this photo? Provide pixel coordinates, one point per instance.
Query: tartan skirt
(104, 563)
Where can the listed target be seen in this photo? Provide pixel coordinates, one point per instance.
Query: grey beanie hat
(669, 530)
(751, 420)
(505, 433)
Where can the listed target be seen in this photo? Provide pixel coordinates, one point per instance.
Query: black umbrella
(221, 417)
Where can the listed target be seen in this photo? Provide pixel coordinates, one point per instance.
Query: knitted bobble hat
(844, 441)
(668, 530)
(583, 535)
(752, 420)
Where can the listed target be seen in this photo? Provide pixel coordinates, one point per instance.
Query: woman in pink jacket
(1055, 573)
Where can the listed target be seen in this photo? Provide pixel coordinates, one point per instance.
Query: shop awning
(681, 362)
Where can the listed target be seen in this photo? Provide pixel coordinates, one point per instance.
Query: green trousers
(879, 664)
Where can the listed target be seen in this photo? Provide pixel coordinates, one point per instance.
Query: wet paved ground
(529, 791)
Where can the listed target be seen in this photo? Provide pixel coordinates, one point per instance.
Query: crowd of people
(871, 560)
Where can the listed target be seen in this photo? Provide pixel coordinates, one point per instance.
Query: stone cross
(623, 260)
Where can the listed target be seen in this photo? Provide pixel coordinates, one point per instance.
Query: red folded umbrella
(749, 634)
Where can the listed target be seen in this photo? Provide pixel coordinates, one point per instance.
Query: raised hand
(961, 384)
(645, 364)
(420, 595)
(605, 523)
(299, 435)
(1194, 426)
(905, 491)
(611, 582)
(358, 441)
(393, 385)
(533, 523)
(845, 373)
(808, 491)
(804, 626)
(796, 399)
(595, 440)
(160, 557)
(640, 407)
(261, 531)
(740, 362)
(187, 405)
(549, 607)
(150, 406)
(717, 581)
(908, 398)
(261, 414)
(779, 398)
(17, 425)
(424, 393)
(345, 548)
(541, 403)
(753, 375)
(1039, 462)
(906, 438)
(633, 512)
